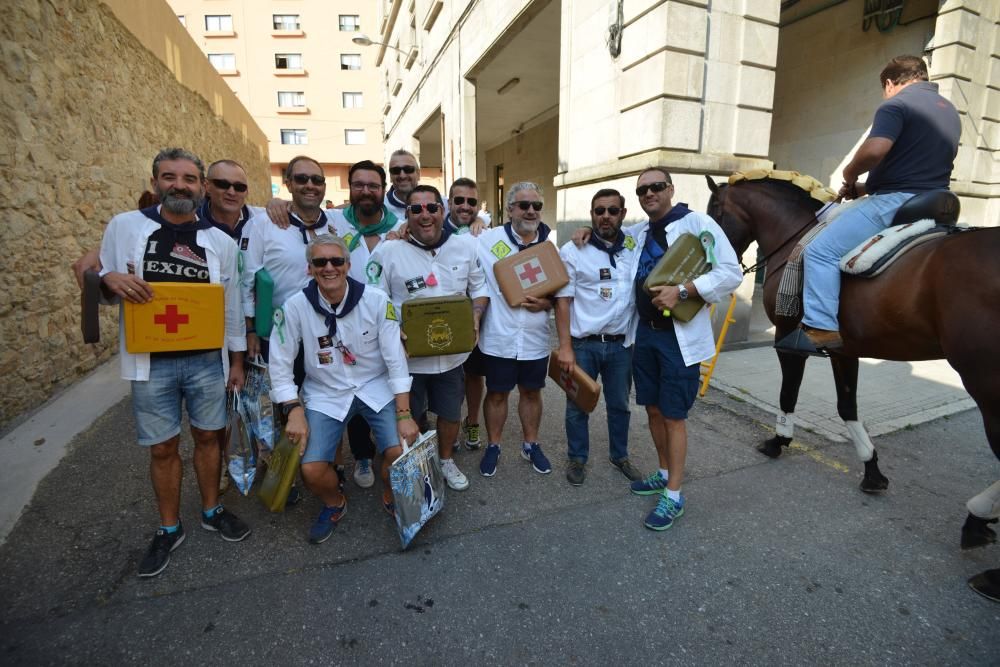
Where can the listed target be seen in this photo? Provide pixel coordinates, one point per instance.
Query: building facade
(294, 66)
(575, 94)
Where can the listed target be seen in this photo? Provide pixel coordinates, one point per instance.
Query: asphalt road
(774, 562)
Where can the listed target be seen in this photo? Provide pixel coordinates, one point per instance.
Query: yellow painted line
(819, 457)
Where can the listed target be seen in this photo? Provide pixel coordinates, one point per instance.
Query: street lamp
(365, 40)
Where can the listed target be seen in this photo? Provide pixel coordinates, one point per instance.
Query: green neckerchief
(388, 221)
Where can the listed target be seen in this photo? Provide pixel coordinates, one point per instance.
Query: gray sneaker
(576, 473)
(629, 470)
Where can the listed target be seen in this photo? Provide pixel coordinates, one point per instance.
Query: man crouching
(355, 363)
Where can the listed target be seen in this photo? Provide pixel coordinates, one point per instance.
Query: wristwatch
(286, 408)
(682, 292)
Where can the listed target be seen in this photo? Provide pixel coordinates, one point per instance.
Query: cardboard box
(579, 387)
(181, 316)
(683, 261)
(537, 271)
(438, 325)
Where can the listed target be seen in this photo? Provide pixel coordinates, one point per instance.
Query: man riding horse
(910, 149)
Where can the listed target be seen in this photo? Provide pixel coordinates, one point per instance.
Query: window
(350, 23)
(354, 137)
(286, 22)
(289, 98)
(223, 62)
(294, 137)
(288, 61)
(353, 100)
(218, 23)
(182, 19)
(350, 61)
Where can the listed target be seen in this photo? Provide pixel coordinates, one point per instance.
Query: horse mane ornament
(937, 301)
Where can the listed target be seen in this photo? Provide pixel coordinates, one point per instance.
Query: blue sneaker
(326, 523)
(663, 515)
(488, 464)
(647, 487)
(534, 454)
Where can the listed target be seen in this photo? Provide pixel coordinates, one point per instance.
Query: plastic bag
(417, 486)
(280, 475)
(241, 449)
(257, 405)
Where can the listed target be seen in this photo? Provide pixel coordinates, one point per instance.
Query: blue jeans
(821, 283)
(614, 365)
(196, 380)
(325, 431)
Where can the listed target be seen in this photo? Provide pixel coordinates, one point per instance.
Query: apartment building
(294, 66)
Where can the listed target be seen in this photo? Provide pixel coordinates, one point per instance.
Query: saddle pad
(438, 325)
(873, 255)
(537, 271)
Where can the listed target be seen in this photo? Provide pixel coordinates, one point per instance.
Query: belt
(656, 326)
(605, 338)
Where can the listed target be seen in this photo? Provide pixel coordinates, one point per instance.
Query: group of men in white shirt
(341, 277)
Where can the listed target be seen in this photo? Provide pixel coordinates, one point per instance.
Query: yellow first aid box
(181, 316)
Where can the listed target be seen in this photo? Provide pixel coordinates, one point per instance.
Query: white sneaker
(363, 475)
(453, 475)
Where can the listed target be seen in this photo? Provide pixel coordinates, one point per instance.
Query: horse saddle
(922, 218)
(941, 206)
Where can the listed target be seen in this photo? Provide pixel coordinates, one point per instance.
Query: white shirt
(603, 295)
(696, 338)
(510, 333)
(331, 383)
(282, 252)
(361, 255)
(405, 272)
(124, 245)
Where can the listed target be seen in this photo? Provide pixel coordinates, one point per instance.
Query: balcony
(289, 72)
(411, 57)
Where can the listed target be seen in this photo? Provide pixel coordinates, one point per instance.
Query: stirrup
(798, 343)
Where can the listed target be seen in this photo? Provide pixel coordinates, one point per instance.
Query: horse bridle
(763, 261)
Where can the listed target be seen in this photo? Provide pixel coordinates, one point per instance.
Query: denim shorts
(661, 378)
(325, 431)
(502, 374)
(441, 393)
(196, 380)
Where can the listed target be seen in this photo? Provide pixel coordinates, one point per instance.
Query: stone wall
(86, 106)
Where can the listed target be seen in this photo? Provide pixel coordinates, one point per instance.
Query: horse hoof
(874, 486)
(977, 533)
(772, 448)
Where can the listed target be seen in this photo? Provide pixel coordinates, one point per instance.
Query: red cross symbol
(530, 271)
(568, 383)
(171, 318)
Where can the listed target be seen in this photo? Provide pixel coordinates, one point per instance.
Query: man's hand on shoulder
(581, 236)
(278, 210)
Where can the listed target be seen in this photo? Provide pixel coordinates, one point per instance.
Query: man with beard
(514, 341)
(666, 363)
(169, 243)
(592, 318)
(404, 172)
(357, 367)
(434, 261)
(224, 207)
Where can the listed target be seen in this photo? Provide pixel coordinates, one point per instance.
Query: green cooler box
(438, 325)
(684, 260)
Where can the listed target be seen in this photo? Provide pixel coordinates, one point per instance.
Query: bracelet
(403, 415)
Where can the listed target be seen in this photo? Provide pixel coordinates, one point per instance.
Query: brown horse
(940, 300)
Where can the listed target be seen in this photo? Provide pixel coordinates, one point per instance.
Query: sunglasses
(406, 169)
(525, 205)
(659, 186)
(320, 262)
(613, 210)
(302, 179)
(471, 201)
(223, 184)
(415, 209)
